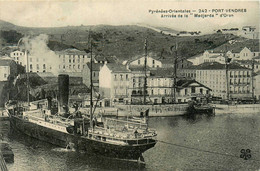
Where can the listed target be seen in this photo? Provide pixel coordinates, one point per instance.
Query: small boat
(199, 109)
(7, 152)
(142, 119)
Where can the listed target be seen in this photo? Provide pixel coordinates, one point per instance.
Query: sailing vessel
(115, 138)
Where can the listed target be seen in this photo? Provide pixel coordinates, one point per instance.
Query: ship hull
(125, 152)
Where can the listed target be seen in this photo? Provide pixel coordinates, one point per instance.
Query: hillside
(122, 41)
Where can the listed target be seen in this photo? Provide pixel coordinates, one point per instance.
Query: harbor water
(198, 143)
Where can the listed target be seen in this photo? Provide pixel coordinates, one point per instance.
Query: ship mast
(27, 79)
(145, 68)
(227, 69)
(252, 79)
(91, 86)
(175, 70)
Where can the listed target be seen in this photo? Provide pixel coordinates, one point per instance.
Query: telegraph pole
(145, 76)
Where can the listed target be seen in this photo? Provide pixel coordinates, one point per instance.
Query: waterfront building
(160, 86)
(7, 68)
(136, 85)
(191, 90)
(247, 53)
(104, 59)
(139, 61)
(95, 74)
(249, 64)
(188, 72)
(208, 56)
(66, 61)
(216, 55)
(213, 75)
(257, 85)
(72, 60)
(114, 82)
(19, 57)
(249, 32)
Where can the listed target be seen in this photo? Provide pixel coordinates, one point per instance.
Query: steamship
(114, 138)
(109, 137)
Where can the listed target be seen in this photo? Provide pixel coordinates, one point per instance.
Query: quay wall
(236, 109)
(154, 110)
(134, 110)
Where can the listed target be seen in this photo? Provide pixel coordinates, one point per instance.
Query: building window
(138, 62)
(78, 66)
(121, 77)
(185, 91)
(31, 66)
(201, 91)
(94, 74)
(126, 76)
(152, 92)
(5, 75)
(193, 90)
(153, 62)
(115, 76)
(37, 59)
(43, 66)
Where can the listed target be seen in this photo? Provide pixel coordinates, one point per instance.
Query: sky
(127, 12)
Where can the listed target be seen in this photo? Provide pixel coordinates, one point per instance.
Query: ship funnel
(49, 98)
(63, 94)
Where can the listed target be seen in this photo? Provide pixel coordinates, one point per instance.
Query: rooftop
(95, 66)
(245, 61)
(114, 67)
(109, 59)
(150, 55)
(186, 83)
(71, 51)
(215, 56)
(162, 72)
(5, 62)
(218, 66)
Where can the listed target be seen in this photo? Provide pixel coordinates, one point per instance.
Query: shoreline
(163, 110)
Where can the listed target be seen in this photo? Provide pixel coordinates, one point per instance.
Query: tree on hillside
(11, 36)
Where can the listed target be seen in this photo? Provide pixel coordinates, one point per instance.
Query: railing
(131, 140)
(2, 163)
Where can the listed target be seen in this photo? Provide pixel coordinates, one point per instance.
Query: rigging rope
(206, 151)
